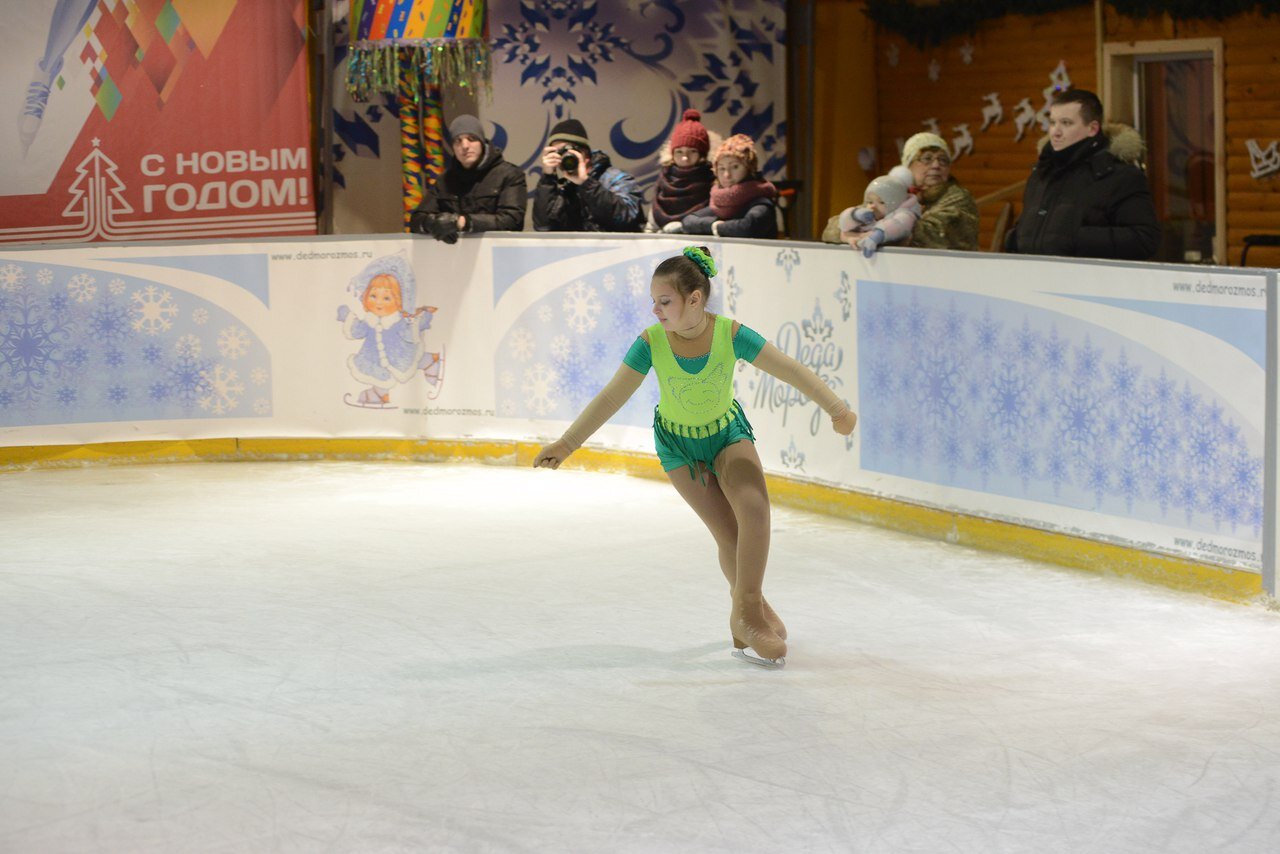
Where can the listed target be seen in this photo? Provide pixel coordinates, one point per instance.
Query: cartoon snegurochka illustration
(394, 350)
(67, 20)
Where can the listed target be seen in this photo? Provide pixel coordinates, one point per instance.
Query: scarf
(681, 191)
(732, 202)
(1051, 161)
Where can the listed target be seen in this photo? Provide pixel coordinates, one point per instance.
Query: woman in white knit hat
(950, 217)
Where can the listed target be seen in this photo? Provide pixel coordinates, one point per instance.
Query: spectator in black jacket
(479, 191)
(1087, 195)
(580, 190)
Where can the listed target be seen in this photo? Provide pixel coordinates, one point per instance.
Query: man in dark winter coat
(580, 190)
(1087, 196)
(479, 191)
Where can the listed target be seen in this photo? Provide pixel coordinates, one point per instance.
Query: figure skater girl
(702, 436)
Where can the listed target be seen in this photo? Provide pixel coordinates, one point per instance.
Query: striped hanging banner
(445, 41)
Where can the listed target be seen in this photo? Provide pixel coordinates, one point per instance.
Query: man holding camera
(580, 190)
(479, 191)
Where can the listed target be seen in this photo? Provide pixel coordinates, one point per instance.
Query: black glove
(447, 232)
(442, 226)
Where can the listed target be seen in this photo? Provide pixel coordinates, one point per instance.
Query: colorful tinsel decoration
(374, 68)
(442, 41)
(412, 49)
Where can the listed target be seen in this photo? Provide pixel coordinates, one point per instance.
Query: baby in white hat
(888, 212)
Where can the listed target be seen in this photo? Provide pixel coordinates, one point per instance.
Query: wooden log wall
(1014, 56)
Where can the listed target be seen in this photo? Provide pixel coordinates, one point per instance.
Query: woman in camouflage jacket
(950, 218)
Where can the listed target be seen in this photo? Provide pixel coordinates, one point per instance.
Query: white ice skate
(33, 105)
(369, 399)
(434, 373)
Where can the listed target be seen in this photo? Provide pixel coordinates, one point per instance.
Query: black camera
(569, 160)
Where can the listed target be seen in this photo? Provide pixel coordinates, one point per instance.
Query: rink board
(1121, 403)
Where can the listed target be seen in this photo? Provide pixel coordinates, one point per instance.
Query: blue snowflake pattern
(1129, 485)
(986, 457)
(1124, 376)
(158, 391)
(1013, 400)
(579, 380)
(725, 82)
(582, 363)
(560, 46)
(75, 361)
(1087, 365)
(951, 327)
(883, 378)
(1025, 464)
(1144, 436)
(1055, 354)
(188, 379)
(723, 61)
(31, 347)
(1078, 418)
(915, 319)
(1009, 402)
(936, 387)
(987, 334)
(1026, 344)
(110, 323)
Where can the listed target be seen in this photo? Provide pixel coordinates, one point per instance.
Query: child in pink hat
(743, 203)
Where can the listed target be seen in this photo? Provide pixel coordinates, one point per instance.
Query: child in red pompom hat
(684, 184)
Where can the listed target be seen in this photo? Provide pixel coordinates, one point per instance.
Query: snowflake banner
(569, 337)
(628, 70)
(1114, 401)
(122, 343)
(997, 396)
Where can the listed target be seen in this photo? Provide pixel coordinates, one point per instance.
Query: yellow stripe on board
(958, 528)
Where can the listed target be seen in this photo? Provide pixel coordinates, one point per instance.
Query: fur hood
(664, 154)
(1122, 141)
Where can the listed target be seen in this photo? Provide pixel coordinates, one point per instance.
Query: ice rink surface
(366, 657)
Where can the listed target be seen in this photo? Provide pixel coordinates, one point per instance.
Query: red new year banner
(154, 119)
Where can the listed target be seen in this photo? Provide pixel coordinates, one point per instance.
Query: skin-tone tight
(735, 508)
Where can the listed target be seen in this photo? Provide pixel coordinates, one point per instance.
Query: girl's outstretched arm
(777, 363)
(601, 408)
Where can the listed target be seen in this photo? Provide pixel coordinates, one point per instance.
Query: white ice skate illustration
(68, 19)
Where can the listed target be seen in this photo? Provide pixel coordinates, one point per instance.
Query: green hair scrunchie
(705, 263)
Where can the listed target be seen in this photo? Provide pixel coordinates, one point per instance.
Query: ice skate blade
(751, 658)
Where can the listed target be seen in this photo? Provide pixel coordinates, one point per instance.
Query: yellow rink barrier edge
(1005, 537)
